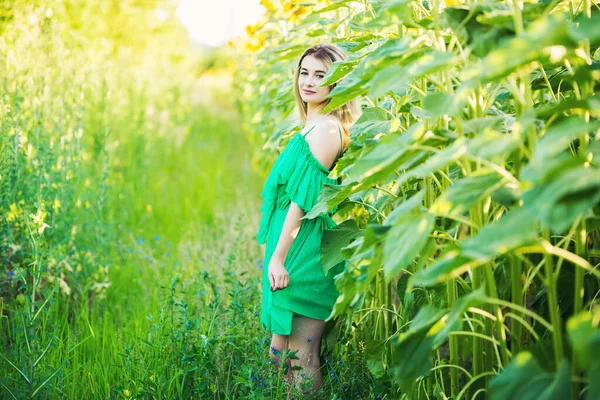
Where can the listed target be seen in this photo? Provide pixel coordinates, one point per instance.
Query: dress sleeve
(303, 176)
(305, 180)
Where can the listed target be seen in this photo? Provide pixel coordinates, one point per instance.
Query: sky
(214, 22)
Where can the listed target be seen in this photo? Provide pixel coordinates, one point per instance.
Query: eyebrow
(315, 71)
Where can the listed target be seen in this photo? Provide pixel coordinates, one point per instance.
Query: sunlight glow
(213, 23)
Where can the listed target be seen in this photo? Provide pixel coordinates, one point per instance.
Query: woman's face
(312, 72)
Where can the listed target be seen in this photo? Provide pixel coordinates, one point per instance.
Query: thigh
(306, 335)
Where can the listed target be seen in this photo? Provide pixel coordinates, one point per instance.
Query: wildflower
(266, 340)
(130, 250)
(11, 273)
(308, 340)
(275, 351)
(140, 240)
(254, 377)
(256, 314)
(201, 293)
(168, 254)
(334, 374)
(261, 266)
(157, 238)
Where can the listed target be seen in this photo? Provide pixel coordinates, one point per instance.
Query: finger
(283, 282)
(271, 280)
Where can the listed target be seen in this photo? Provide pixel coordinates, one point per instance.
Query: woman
(297, 296)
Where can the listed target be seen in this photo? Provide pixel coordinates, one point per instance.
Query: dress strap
(341, 142)
(308, 130)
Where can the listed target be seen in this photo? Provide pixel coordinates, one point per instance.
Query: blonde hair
(347, 113)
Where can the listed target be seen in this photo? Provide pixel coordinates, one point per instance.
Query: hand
(278, 275)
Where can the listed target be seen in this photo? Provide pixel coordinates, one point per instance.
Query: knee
(312, 358)
(274, 354)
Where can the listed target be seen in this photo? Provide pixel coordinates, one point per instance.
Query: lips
(308, 92)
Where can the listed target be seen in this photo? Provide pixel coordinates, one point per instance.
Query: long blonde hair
(347, 113)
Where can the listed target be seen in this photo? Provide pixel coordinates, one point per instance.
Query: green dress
(296, 176)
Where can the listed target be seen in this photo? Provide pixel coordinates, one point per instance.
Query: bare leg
(306, 338)
(279, 344)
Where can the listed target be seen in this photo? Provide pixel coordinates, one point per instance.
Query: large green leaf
(355, 279)
(388, 151)
(394, 77)
(459, 197)
(490, 144)
(480, 37)
(436, 162)
(412, 349)
(347, 89)
(587, 28)
(448, 266)
(330, 196)
(560, 198)
(430, 328)
(559, 136)
(372, 121)
(390, 79)
(584, 334)
(387, 12)
(453, 320)
(334, 239)
(431, 62)
(524, 379)
(540, 39)
(406, 206)
(338, 70)
(375, 353)
(513, 230)
(405, 241)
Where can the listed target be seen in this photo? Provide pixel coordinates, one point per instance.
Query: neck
(314, 111)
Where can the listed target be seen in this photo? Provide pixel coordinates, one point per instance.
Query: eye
(303, 73)
(321, 76)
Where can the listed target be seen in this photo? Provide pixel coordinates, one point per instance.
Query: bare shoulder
(324, 141)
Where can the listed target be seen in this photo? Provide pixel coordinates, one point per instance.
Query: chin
(314, 101)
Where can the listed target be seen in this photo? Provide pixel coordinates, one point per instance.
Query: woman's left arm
(290, 229)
